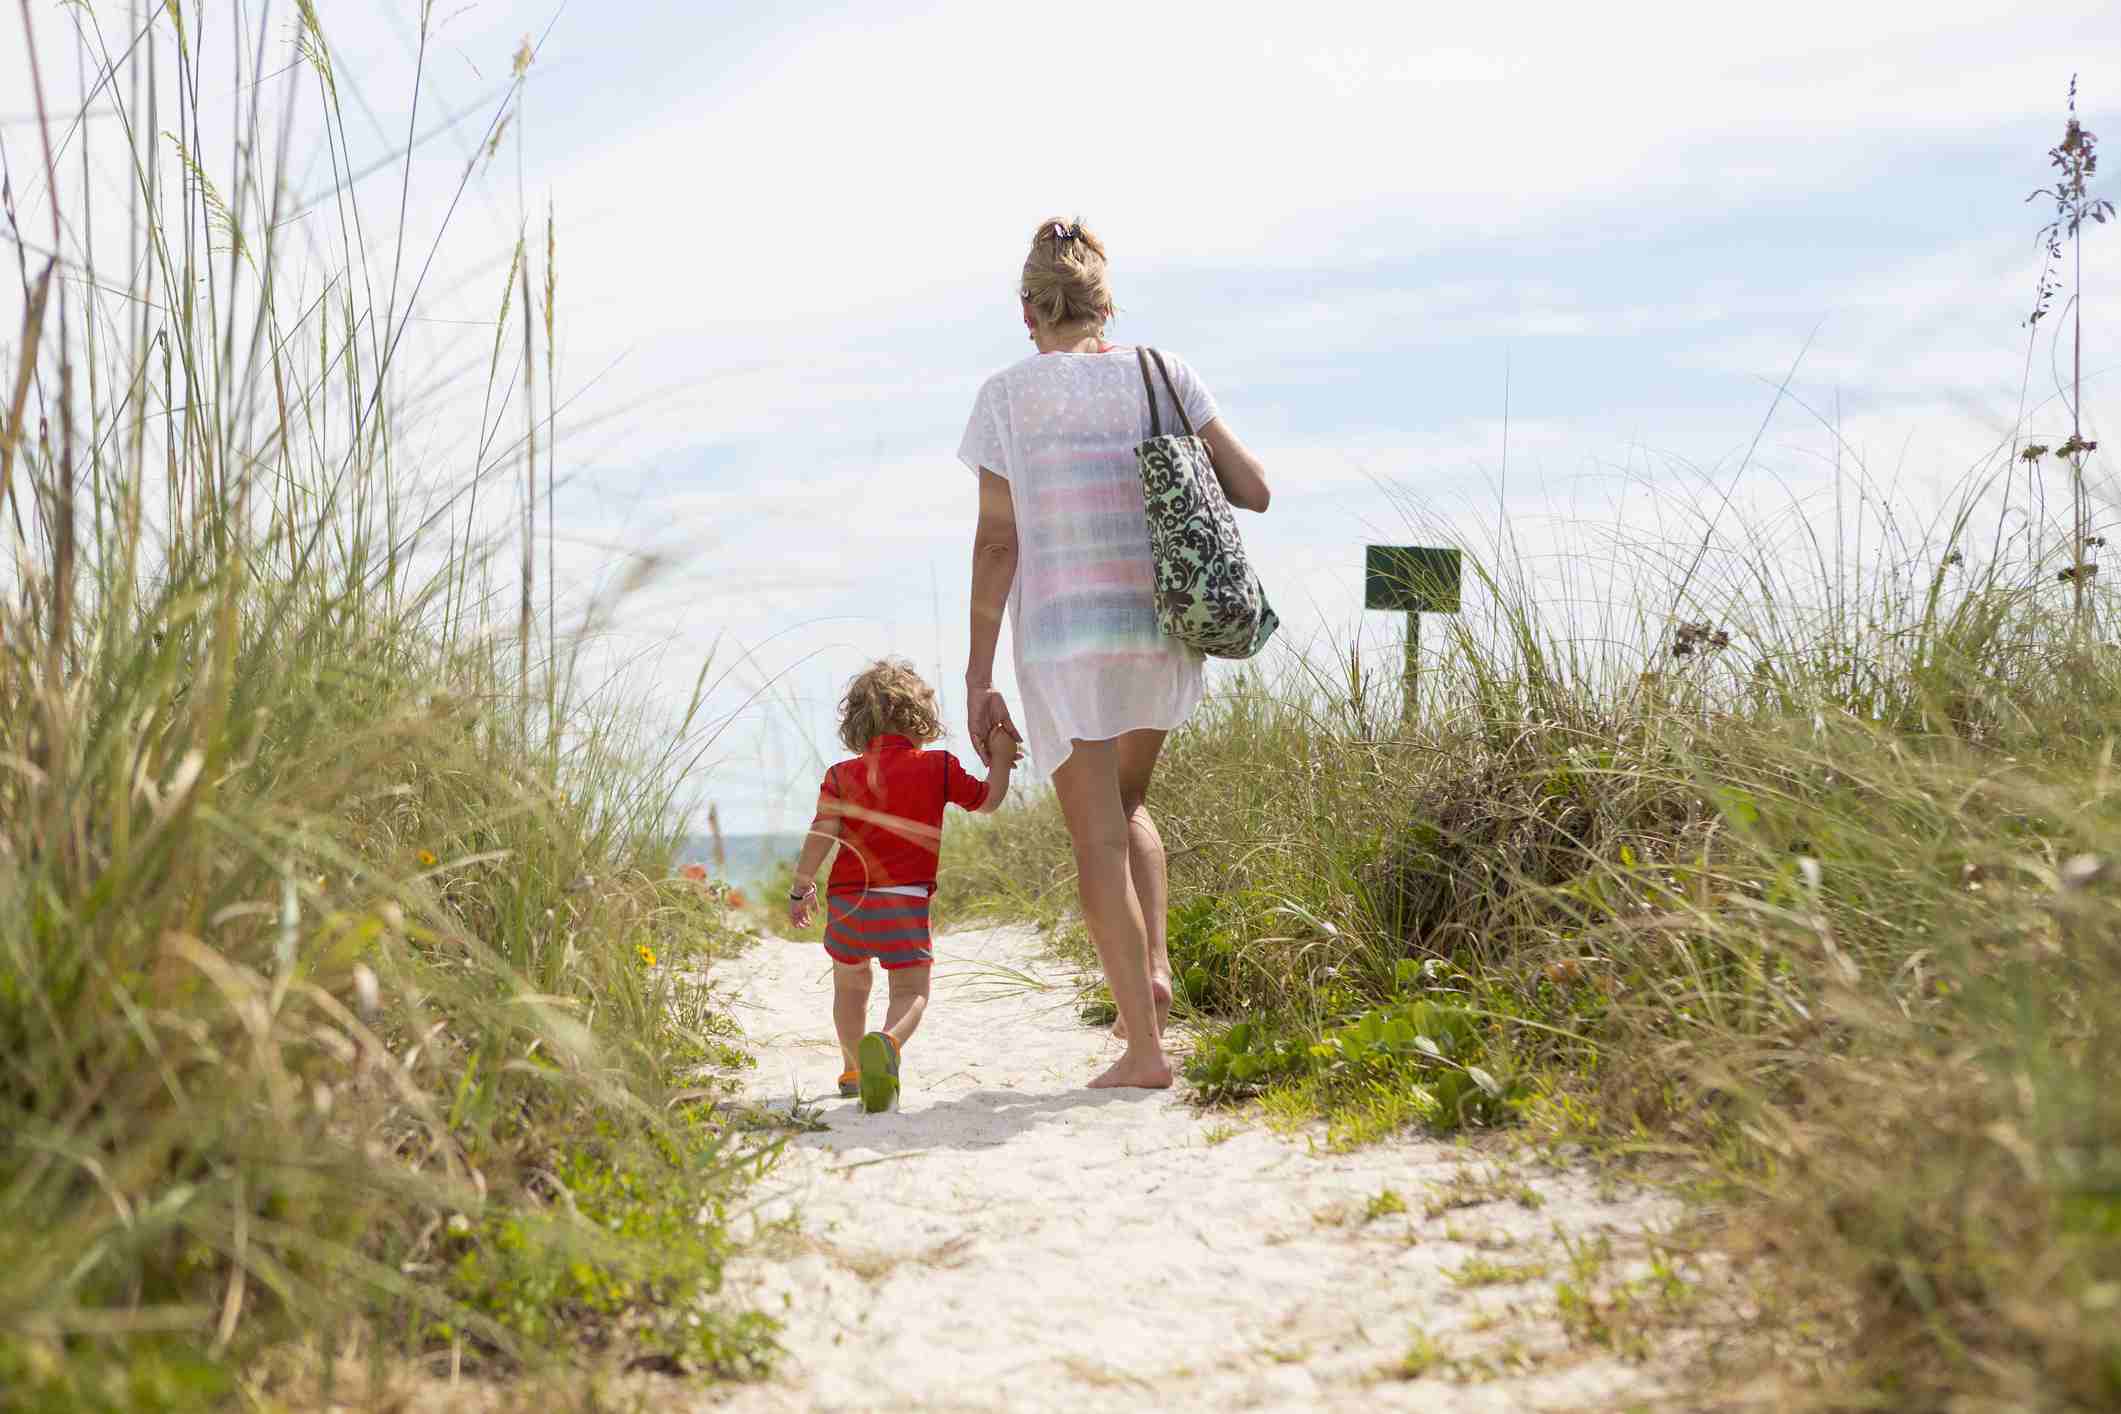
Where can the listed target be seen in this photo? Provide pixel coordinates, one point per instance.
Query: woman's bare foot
(1160, 993)
(1136, 1072)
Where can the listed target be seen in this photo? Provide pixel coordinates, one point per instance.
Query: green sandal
(879, 1082)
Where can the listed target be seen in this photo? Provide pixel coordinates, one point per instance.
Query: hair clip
(1063, 233)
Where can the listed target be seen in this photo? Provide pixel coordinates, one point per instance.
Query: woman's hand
(986, 710)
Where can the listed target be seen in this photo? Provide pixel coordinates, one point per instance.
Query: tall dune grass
(335, 1000)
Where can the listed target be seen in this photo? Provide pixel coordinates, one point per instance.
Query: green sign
(1414, 578)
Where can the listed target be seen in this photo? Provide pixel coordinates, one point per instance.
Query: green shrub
(1244, 1058)
(1439, 1060)
(627, 1252)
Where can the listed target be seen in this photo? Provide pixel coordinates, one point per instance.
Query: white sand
(1011, 1240)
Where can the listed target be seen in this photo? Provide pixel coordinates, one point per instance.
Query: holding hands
(996, 740)
(988, 714)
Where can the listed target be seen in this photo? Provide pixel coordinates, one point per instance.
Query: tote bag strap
(1141, 356)
(1177, 405)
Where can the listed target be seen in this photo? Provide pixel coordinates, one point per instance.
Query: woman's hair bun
(1066, 279)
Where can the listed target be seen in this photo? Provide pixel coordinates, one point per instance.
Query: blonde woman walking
(1062, 541)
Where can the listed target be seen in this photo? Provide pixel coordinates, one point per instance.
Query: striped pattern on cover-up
(1091, 661)
(892, 928)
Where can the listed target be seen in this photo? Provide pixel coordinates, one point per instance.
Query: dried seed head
(1691, 638)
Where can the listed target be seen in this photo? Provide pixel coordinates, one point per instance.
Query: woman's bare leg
(1145, 863)
(1088, 787)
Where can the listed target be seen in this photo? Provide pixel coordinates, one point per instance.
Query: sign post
(1415, 580)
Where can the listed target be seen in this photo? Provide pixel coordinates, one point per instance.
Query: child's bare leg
(909, 998)
(850, 1008)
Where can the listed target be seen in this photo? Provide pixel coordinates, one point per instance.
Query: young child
(885, 808)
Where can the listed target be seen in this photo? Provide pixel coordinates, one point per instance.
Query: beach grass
(341, 1036)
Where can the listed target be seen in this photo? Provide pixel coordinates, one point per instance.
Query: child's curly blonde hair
(888, 698)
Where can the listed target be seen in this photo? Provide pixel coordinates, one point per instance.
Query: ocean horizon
(749, 860)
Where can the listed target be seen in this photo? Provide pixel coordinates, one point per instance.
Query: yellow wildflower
(647, 954)
(426, 858)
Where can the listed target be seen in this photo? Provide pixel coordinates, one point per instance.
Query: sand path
(1010, 1240)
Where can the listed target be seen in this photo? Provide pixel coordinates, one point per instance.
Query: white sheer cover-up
(1091, 663)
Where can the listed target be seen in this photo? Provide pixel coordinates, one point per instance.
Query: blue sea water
(750, 859)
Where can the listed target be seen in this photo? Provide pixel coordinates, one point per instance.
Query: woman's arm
(1244, 479)
(993, 571)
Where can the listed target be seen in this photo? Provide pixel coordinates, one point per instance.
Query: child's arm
(802, 896)
(1001, 760)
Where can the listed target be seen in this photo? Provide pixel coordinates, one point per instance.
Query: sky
(1540, 266)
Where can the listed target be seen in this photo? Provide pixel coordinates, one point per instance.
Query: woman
(1062, 540)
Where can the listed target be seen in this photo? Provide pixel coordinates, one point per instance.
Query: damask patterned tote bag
(1207, 594)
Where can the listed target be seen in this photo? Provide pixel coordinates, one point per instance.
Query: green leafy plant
(1244, 1058)
(628, 1252)
(1205, 951)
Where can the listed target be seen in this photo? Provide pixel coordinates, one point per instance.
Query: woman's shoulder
(996, 385)
(1192, 387)
(1178, 365)
(1029, 365)
(1173, 360)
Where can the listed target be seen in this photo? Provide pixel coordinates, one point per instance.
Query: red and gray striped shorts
(892, 928)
